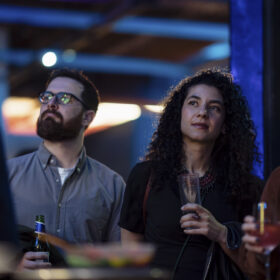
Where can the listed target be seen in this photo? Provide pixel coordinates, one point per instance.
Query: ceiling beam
(46, 17)
(216, 51)
(99, 63)
(184, 29)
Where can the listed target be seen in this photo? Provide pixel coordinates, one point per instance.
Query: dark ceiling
(121, 45)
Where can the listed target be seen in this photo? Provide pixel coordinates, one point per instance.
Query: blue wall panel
(247, 59)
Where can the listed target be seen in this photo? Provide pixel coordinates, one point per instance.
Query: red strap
(146, 195)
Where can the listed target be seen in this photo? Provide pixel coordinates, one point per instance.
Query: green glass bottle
(41, 244)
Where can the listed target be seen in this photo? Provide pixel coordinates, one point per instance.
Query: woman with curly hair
(205, 128)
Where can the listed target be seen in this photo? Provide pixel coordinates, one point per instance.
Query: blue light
(126, 65)
(247, 60)
(100, 63)
(133, 25)
(17, 57)
(173, 28)
(48, 17)
(216, 51)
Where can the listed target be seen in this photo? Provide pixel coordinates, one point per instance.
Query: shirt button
(58, 230)
(57, 180)
(59, 205)
(78, 169)
(52, 161)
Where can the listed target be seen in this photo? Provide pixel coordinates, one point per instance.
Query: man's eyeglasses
(62, 98)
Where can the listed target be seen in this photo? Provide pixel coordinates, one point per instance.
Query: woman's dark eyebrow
(211, 101)
(193, 96)
(216, 101)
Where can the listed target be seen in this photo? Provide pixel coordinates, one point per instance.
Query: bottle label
(39, 227)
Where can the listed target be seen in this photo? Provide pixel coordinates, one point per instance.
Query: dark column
(7, 221)
(271, 98)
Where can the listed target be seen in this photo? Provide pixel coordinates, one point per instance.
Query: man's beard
(56, 130)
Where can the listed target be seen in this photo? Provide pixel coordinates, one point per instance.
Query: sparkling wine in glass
(189, 188)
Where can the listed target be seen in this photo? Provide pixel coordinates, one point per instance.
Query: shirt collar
(47, 158)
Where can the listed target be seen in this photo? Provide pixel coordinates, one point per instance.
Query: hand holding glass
(268, 233)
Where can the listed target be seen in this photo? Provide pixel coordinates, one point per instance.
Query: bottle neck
(40, 227)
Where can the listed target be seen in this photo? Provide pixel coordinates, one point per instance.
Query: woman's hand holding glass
(196, 219)
(200, 221)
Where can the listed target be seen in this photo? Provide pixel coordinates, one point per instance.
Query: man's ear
(88, 117)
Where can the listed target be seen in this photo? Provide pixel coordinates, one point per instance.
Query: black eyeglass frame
(57, 98)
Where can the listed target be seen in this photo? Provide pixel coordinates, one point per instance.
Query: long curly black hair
(234, 151)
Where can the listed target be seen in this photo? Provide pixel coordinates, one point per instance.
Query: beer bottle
(41, 243)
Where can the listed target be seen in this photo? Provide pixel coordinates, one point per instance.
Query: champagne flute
(189, 188)
(268, 234)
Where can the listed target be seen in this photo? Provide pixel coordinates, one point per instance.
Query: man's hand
(251, 241)
(34, 260)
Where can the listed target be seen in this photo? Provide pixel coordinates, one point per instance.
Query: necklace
(206, 182)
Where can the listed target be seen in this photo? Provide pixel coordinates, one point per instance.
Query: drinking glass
(268, 233)
(189, 188)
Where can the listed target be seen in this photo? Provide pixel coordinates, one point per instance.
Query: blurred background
(133, 51)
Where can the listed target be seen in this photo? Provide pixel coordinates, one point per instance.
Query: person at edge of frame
(254, 258)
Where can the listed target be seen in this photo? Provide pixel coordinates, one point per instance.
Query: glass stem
(267, 265)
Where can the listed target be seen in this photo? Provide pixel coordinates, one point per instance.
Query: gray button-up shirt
(85, 208)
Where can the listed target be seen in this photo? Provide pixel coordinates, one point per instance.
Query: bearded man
(79, 196)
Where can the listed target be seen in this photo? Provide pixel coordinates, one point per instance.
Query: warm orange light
(154, 108)
(21, 114)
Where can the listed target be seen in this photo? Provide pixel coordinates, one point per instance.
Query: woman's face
(203, 114)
